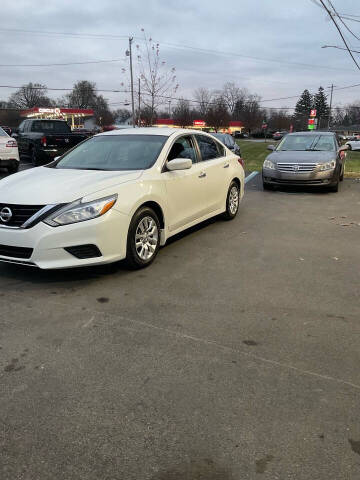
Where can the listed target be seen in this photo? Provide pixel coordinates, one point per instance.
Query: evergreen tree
(322, 107)
(302, 110)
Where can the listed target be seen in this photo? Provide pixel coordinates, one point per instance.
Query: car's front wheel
(143, 238)
(232, 201)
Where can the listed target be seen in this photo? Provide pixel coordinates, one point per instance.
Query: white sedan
(9, 153)
(353, 144)
(120, 194)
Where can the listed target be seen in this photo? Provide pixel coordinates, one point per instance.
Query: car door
(186, 189)
(216, 167)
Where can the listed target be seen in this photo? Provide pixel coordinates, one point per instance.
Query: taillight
(241, 161)
(11, 144)
(43, 141)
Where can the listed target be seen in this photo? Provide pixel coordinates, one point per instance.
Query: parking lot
(234, 356)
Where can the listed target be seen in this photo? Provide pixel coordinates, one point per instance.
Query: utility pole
(169, 101)
(139, 114)
(129, 54)
(331, 97)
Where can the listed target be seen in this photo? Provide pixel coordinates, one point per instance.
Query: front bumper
(108, 233)
(314, 178)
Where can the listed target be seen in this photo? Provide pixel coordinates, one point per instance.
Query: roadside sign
(311, 121)
(264, 125)
(291, 128)
(311, 127)
(313, 113)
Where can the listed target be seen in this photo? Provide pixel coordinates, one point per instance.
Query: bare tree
(203, 96)
(231, 94)
(158, 81)
(217, 115)
(29, 96)
(182, 113)
(83, 95)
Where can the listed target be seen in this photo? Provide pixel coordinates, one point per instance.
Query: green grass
(254, 154)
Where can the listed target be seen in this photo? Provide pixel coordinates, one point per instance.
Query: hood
(43, 186)
(301, 157)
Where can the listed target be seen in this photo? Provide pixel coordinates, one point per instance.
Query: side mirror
(56, 158)
(271, 147)
(343, 148)
(14, 135)
(179, 164)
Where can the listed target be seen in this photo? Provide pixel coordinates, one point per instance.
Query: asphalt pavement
(234, 356)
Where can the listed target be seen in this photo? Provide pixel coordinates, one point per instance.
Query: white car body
(9, 153)
(181, 198)
(353, 144)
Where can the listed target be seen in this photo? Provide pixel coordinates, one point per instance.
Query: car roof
(316, 132)
(166, 132)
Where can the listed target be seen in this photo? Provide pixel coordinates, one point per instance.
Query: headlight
(80, 212)
(328, 166)
(269, 164)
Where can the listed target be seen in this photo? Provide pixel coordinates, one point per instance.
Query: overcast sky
(273, 48)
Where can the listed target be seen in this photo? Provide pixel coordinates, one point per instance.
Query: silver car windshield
(114, 152)
(300, 143)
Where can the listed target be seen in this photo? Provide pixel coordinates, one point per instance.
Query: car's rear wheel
(13, 168)
(232, 201)
(143, 238)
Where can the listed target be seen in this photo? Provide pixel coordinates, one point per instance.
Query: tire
(267, 186)
(137, 255)
(14, 168)
(34, 159)
(334, 188)
(232, 201)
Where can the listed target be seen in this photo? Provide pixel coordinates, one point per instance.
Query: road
(234, 356)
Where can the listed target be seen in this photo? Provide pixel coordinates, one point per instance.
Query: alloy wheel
(146, 238)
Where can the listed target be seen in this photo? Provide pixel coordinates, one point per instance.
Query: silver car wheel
(146, 238)
(233, 200)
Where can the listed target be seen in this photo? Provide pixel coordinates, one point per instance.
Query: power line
(342, 21)
(340, 32)
(62, 64)
(172, 45)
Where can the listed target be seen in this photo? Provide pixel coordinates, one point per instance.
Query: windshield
(320, 143)
(3, 133)
(48, 126)
(114, 152)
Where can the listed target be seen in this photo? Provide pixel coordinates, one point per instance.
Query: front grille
(84, 251)
(15, 252)
(20, 213)
(300, 182)
(296, 167)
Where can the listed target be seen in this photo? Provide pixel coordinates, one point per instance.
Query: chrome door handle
(227, 165)
(202, 175)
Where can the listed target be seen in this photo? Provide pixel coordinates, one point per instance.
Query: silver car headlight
(80, 212)
(328, 166)
(269, 164)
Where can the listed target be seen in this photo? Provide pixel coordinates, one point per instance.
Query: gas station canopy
(58, 113)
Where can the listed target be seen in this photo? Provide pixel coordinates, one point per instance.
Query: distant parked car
(305, 158)
(9, 154)
(228, 141)
(43, 140)
(238, 134)
(354, 143)
(279, 135)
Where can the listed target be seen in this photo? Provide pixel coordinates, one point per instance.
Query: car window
(114, 152)
(3, 133)
(209, 149)
(182, 148)
(47, 126)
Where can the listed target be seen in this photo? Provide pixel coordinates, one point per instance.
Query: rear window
(48, 126)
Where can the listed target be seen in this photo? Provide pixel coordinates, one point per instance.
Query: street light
(339, 48)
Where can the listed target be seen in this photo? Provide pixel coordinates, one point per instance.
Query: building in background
(234, 125)
(76, 116)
